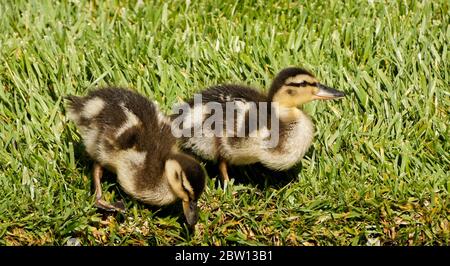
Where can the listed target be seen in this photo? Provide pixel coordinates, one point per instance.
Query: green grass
(378, 171)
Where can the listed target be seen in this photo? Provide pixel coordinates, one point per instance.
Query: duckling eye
(291, 92)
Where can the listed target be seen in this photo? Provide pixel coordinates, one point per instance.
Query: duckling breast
(295, 138)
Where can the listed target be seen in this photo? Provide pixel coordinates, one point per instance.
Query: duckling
(282, 121)
(126, 134)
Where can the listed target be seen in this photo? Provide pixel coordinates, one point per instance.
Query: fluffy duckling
(282, 120)
(128, 135)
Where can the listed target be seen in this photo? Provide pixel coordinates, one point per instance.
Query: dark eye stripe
(302, 84)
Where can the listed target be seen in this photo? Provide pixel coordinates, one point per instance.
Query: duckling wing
(210, 144)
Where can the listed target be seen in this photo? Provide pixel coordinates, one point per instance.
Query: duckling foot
(99, 202)
(117, 206)
(120, 206)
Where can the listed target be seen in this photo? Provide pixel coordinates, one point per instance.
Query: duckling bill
(291, 89)
(128, 135)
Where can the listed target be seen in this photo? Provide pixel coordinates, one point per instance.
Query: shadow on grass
(256, 175)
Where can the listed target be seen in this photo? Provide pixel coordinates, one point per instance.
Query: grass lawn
(378, 170)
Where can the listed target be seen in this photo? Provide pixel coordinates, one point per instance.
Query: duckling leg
(223, 170)
(99, 202)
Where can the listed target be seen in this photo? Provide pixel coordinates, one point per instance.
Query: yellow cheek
(304, 98)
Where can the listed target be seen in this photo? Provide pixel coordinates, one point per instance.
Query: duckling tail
(75, 103)
(75, 106)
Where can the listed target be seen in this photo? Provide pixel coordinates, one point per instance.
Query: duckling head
(187, 180)
(293, 87)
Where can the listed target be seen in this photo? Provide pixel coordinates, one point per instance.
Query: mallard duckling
(292, 129)
(128, 135)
